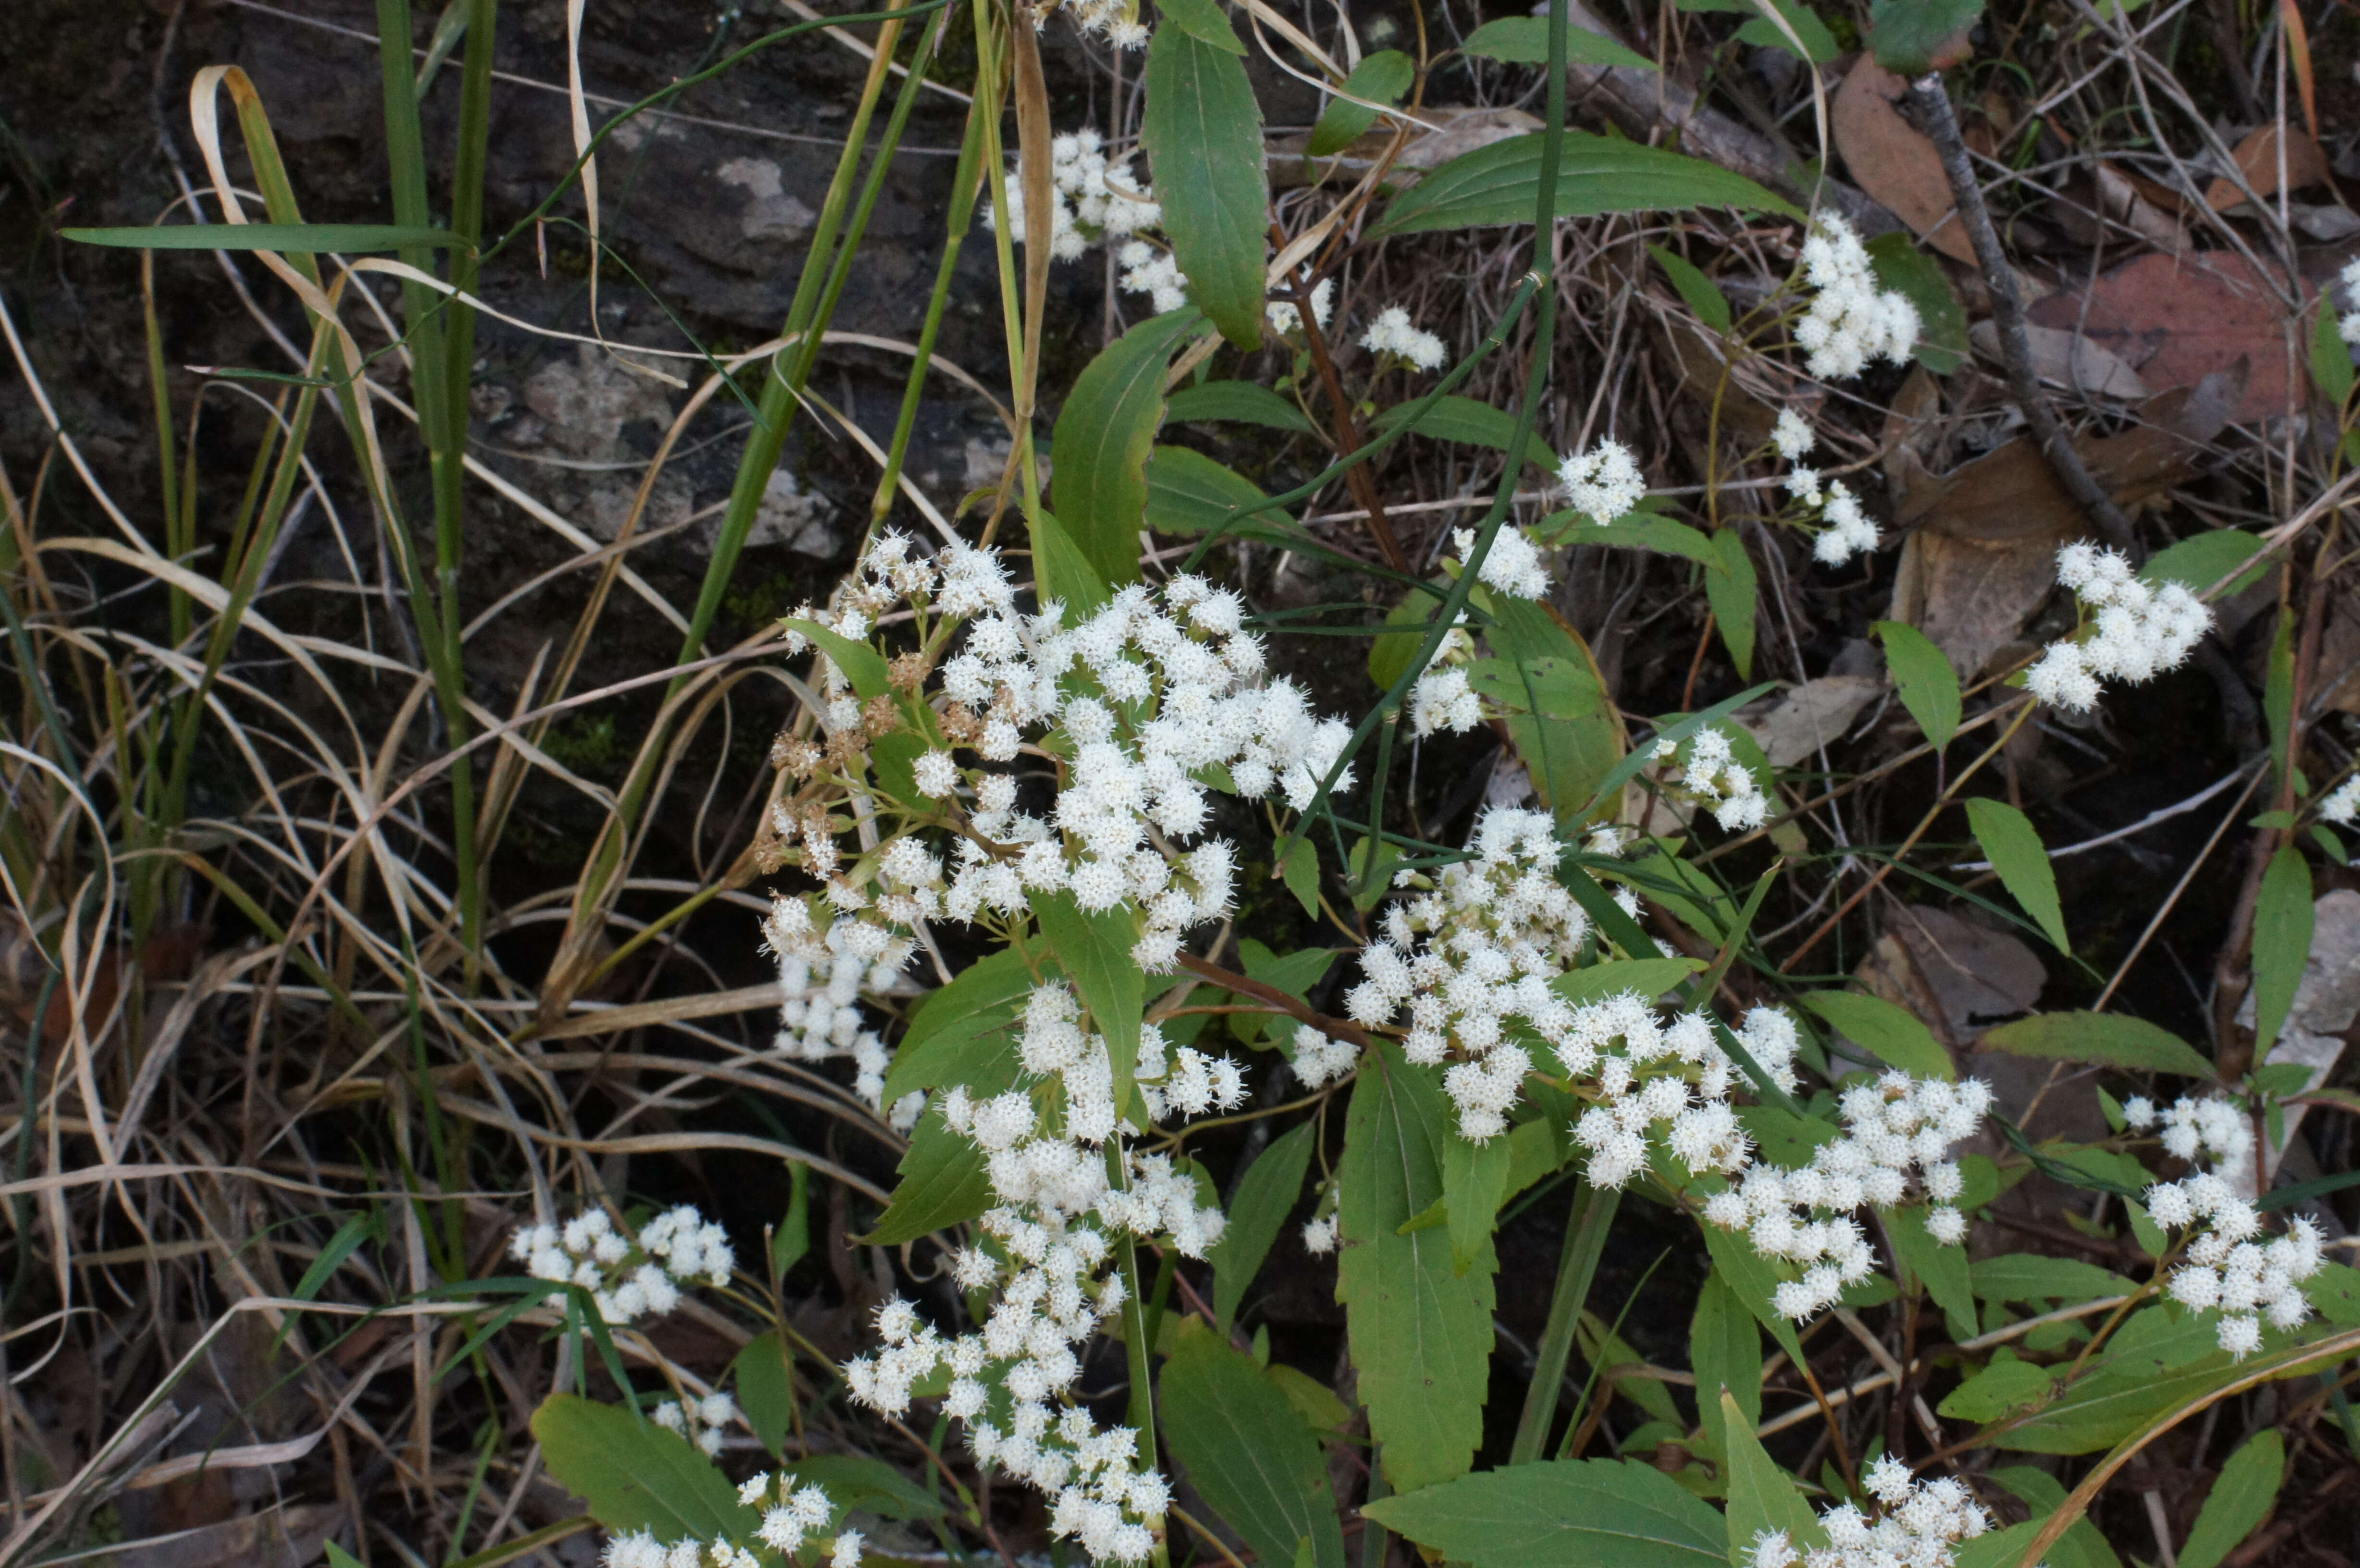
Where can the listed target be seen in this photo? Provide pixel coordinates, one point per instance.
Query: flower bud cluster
(1603, 483)
(1898, 1135)
(1917, 1525)
(701, 1421)
(629, 1278)
(2226, 1267)
(1711, 772)
(1393, 332)
(1513, 565)
(2141, 630)
(1851, 322)
(1443, 699)
(826, 960)
(1848, 530)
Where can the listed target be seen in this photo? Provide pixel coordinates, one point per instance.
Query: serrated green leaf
(1501, 184)
(2013, 846)
(1301, 874)
(945, 1181)
(1570, 1513)
(1406, 625)
(1248, 1450)
(1313, 1400)
(1734, 594)
(345, 239)
(1895, 1034)
(1901, 266)
(1095, 949)
(1421, 1332)
(1474, 1186)
(2242, 1498)
(1638, 530)
(1565, 730)
(1754, 1282)
(2282, 928)
(1524, 40)
(1203, 133)
(1452, 418)
(764, 1385)
(1243, 402)
(2110, 1039)
(1650, 977)
(1189, 494)
(1098, 450)
(1943, 1270)
(1379, 78)
(2033, 1276)
(1266, 1194)
(1703, 295)
(1202, 20)
(1761, 1497)
(1929, 687)
(862, 665)
(1060, 570)
(2006, 1385)
(791, 1239)
(1819, 44)
(1725, 1353)
(955, 1034)
(1914, 37)
(2158, 1360)
(634, 1474)
(2200, 560)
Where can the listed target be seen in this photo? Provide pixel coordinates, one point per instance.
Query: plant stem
(1584, 1237)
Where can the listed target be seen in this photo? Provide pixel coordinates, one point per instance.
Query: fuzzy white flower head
(1394, 333)
(1849, 323)
(1603, 483)
(1285, 316)
(2342, 805)
(1792, 436)
(1513, 564)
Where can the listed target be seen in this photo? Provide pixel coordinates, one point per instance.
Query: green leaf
(1501, 184)
(1914, 37)
(1524, 40)
(1302, 874)
(1725, 1353)
(862, 665)
(2282, 927)
(1761, 1497)
(312, 238)
(636, 1476)
(1421, 1332)
(1474, 1186)
(1943, 1270)
(1572, 1513)
(1702, 294)
(1929, 687)
(1294, 973)
(1731, 593)
(791, 1239)
(1901, 266)
(2007, 1383)
(1098, 450)
(1248, 1450)
(2243, 1497)
(1266, 1194)
(2110, 1039)
(1095, 949)
(2158, 1360)
(1752, 1281)
(955, 1034)
(2196, 563)
(2080, 1546)
(1817, 41)
(945, 1181)
(1638, 530)
(1406, 625)
(1313, 1400)
(871, 1485)
(2335, 1292)
(766, 1390)
(1245, 402)
(1204, 21)
(1895, 1034)
(1379, 78)
(1202, 134)
(1189, 494)
(2013, 846)
(1651, 977)
(1060, 570)
(2030, 1277)
(1565, 728)
(1452, 418)
(2331, 357)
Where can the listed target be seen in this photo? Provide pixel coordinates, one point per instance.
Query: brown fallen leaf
(1891, 160)
(289, 1535)
(1793, 726)
(2061, 359)
(1971, 596)
(2256, 158)
(2176, 320)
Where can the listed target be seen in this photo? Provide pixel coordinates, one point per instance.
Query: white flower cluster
(1896, 1127)
(1162, 707)
(1513, 565)
(1117, 20)
(1155, 273)
(2141, 630)
(1090, 207)
(1850, 321)
(2348, 323)
(792, 1516)
(2226, 1267)
(2342, 805)
(1604, 482)
(1792, 436)
(1713, 775)
(823, 969)
(1395, 334)
(1916, 1526)
(1284, 316)
(629, 1279)
(1320, 1059)
(1849, 531)
(701, 1421)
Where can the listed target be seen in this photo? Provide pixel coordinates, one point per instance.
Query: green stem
(1584, 1237)
(1134, 1319)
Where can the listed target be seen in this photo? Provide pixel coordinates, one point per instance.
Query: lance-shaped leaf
(1249, 1451)
(2241, 1499)
(1380, 78)
(1897, 1036)
(1265, 1196)
(1106, 429)
(634, 1474)
(1763, 1499)
(1573, 1513)
(1929, 687)
(2283, 918)
(1202, 132)
(2107, 1037)
(1502, 183)
(2013, 845)
(1095, 949)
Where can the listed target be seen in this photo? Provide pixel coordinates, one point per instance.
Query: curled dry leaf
(1891, 160)
(1957, 976)
(2176, 320)
(2061, 359)
(2258, 158)
(1794, 726)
